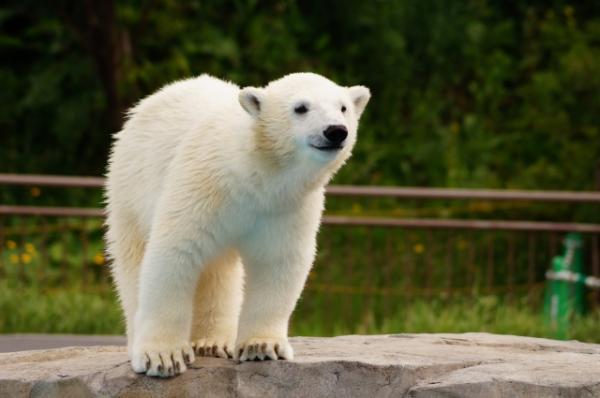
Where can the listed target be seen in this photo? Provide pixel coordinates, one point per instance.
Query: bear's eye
(301, 109)
(343, 108)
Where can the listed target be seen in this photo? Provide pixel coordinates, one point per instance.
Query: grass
(77, 310)
(490, 314)
(64, 310)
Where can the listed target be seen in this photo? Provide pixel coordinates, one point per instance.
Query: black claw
(162, 364)
(240, 353)
(186, 358)
(276, 348)
(177, 367)
(215, 349)
(201, 351)
(175, 364)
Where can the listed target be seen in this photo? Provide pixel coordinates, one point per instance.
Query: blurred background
(491, 108)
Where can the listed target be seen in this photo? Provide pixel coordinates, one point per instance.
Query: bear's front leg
(163, 321)
(277, 259)
(217, 307)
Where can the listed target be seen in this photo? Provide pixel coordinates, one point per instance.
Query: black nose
(336, 134)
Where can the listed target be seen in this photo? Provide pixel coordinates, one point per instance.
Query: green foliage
(79, 310)
(66, 310)
(489, 314)
(472, 93)
(465, 93)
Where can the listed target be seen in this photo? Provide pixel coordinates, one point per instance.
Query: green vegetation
(482, 314)
(69, 309)
(75, 310)
(465, 93)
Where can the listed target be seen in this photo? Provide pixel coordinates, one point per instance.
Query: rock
(403, 365)
(21, 342)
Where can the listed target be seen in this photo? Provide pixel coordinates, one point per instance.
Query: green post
(565, 288)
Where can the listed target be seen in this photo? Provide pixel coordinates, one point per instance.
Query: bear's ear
(251, 99)
(360, 96)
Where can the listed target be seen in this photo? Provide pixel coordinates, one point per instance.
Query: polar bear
(214, 198)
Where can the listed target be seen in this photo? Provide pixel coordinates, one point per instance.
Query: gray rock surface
(22, 342)
(404, 365)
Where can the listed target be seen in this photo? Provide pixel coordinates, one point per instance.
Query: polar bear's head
(305, 117)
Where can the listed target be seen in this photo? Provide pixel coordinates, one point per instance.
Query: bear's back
(179, 106)
(145, 147)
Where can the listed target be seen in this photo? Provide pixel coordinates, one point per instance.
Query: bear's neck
(276, 185)
(274, 174)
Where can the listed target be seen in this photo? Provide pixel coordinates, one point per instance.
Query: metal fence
(363, 261)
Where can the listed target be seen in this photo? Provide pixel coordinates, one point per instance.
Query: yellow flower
(14, 258)
(11, 244)
(35, 192)
(26, 258)
(481, 207)
(356, 208)
(99, 259)
(454, 128)
(569, 11)
(419, 248)
(29, 248)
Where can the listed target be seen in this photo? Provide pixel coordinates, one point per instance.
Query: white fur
(205, 177)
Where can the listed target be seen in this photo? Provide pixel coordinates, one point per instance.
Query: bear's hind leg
(217, 306)
(126, 248)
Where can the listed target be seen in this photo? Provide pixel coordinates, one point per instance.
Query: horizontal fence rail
(463, 224)
(471, 194)
(51, 181)
(499, 225)
(348, 190)
(52, 211)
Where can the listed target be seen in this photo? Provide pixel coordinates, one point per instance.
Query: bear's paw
(264, 348)
(218, 348)
(162, 361)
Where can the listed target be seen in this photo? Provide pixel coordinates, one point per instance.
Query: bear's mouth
(327, 148)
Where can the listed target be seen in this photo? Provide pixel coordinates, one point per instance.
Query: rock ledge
(403, 365)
